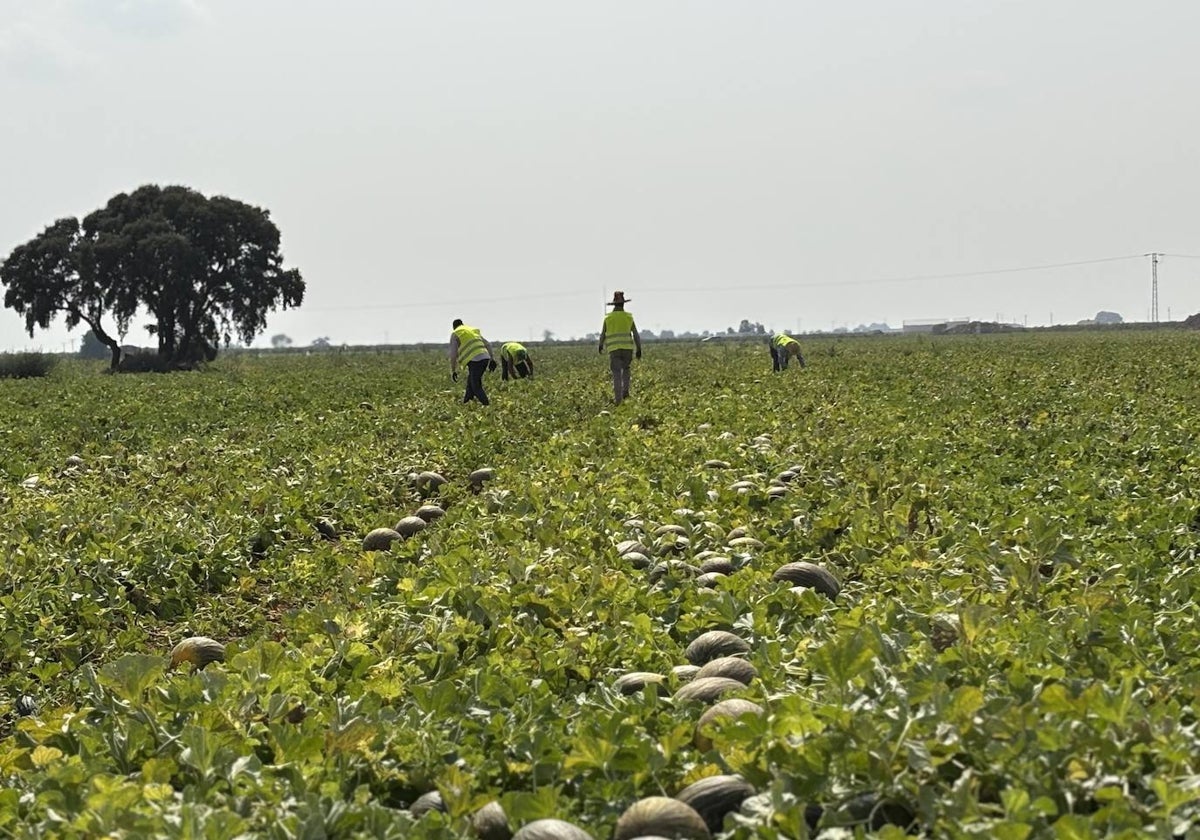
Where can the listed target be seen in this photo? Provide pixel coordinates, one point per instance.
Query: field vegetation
(1000, 638)
(26, 365)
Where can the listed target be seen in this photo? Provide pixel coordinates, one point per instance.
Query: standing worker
(619, 334)
(469, 347)
(782, 346)
(515, 361)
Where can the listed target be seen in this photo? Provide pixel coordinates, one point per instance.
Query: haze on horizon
(804, 165)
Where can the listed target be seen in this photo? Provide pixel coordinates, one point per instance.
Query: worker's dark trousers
(475, 382)
(779, 359)
(619, 362)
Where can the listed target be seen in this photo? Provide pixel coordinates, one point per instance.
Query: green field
(1014, 651)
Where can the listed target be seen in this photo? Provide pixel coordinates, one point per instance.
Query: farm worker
(469, 347)
(619, 334)
(515, 361)
(783, 346)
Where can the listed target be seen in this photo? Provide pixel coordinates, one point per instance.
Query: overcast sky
(512, 163)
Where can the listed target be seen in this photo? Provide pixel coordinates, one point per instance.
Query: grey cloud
(48, 40)
(32, 46)
(141, 18)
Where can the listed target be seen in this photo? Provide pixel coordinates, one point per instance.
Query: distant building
(932, 325)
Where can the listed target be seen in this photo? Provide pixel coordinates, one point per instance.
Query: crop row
(1007, 528)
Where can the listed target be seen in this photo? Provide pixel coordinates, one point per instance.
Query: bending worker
(469, 347)
(619, 334)
(783, 346)
(515, 361)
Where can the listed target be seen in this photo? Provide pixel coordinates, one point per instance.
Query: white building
(929, 325)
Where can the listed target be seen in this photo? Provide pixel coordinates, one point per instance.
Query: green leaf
(132, 674)
(1073, 827)
(1009, 830)
(975, 619)
(964, 703)
(10, 801)
(844, 658)
(523, 807)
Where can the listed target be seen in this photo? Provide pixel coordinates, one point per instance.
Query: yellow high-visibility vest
(783, 341)
(470, 344)
(514, 352)
(618, 330)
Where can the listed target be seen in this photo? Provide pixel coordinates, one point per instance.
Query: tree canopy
(205, 269)
(47, 277)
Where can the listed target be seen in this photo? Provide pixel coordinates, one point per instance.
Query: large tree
(47, 277)
(206, 269)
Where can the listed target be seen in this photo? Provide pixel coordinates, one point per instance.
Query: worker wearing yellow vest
(515, 361)
(783, 346)
(469, 348)
(620, 336)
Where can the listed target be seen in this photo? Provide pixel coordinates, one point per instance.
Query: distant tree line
(745, 329)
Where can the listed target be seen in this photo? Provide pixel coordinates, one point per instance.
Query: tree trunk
(105, 339)
(166, 334)
(182, 356)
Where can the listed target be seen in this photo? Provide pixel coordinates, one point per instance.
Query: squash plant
(1010, 650)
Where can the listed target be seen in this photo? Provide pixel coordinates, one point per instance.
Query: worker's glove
(491, 364)
(454, 376)
(638, 354)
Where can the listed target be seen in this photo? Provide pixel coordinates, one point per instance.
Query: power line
(740, 287)
(1182, 256)
(459, 301)
(907, 279)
